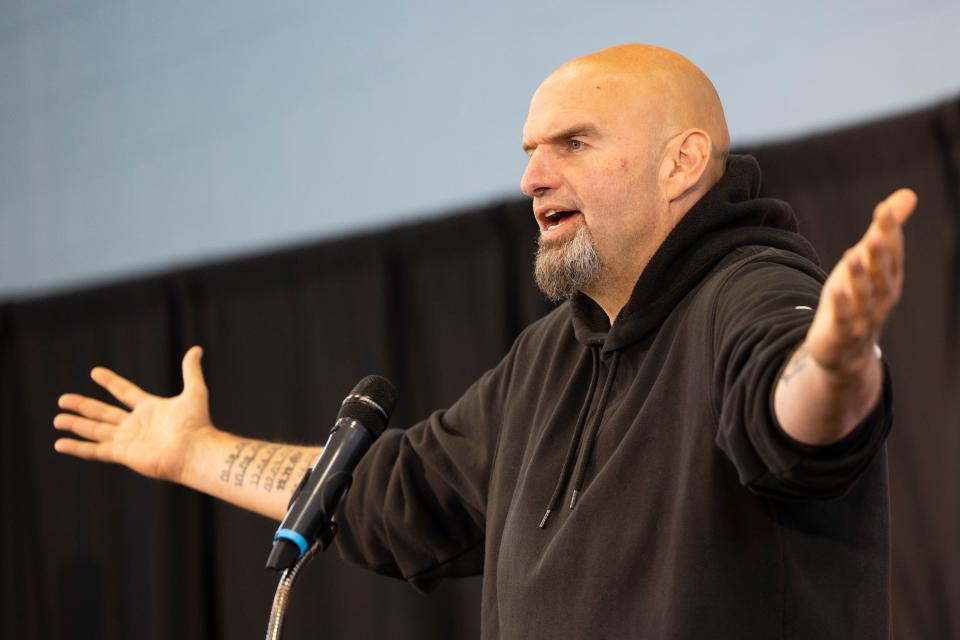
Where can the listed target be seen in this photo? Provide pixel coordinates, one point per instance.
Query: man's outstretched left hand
(861, 291)
(834, 378)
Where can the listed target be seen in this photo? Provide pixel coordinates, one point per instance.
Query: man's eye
(575, 145)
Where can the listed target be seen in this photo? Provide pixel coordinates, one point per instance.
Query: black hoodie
(632, 481)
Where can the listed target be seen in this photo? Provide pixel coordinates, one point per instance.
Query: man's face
(594, 145)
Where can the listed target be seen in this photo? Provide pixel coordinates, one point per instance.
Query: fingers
(887, 231)
(863, 288)
(889, 216)
(842, 311)
(119, 387)
(90, 408)
(884, 275)
(83, 427)
(192, 371)
(862, 303)
(852, 291)
(86, 450)
(880, 254)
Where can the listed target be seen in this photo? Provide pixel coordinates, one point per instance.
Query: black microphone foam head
(370, 403)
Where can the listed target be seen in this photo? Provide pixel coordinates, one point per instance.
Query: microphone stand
(281, 599)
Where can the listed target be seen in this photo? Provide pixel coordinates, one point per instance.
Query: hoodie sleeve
(416, 507)
(763, 310)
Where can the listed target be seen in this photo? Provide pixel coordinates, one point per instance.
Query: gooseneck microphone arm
(281, 599)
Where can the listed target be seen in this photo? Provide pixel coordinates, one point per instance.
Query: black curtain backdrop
(95, 551)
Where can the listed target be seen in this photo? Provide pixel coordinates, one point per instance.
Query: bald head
(662, 90)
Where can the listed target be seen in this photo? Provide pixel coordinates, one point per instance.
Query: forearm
(256, 475)
(817, 406)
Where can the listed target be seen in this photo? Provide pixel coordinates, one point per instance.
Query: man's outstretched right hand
(173, 439)
(154, 437)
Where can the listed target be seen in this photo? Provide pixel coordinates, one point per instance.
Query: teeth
(555, 217)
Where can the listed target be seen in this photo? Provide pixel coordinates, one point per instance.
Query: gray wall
(135, 136)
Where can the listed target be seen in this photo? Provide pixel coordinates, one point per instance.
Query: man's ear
(685, 164)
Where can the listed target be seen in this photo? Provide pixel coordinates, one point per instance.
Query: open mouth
(556, 218)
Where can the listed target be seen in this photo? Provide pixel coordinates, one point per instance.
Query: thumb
(192, 372)
(902, 202)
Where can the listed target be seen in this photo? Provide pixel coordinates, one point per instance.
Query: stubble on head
(567, 265)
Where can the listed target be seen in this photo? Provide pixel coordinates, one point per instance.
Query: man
(690, 447)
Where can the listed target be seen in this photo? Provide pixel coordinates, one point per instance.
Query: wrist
(853, 389)
(817, 404)
(850, 369)
(198, 442)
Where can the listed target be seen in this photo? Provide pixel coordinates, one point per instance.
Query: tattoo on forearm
(262, 465)
(798, 362)
(269, 467)
(232, 459)
(287, 471)
(278, 463)
(244, 464)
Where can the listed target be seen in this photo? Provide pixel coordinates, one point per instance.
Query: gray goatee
(564, 266)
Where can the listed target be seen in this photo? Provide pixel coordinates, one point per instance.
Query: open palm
(151, 437)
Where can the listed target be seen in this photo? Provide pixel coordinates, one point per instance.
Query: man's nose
(539, 176)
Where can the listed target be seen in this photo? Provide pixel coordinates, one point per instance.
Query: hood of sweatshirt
(729, 216)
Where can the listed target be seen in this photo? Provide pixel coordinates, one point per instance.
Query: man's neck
(613, 289)
(612, 294)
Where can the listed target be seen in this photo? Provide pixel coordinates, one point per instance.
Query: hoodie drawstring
(575, 452)
(580, 471)
(575, 442)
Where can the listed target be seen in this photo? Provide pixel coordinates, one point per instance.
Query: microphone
(363, 417)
